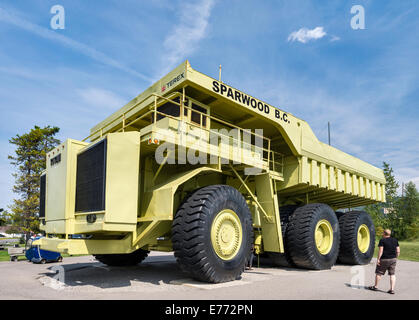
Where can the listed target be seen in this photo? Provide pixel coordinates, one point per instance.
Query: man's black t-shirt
(389, 248)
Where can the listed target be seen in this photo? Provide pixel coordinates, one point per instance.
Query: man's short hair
(387, 232)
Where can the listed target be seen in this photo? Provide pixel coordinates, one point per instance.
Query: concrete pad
(246, 279)
(159, 277)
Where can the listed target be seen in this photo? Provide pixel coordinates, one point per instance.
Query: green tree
(391, 185)
(13, 230)
(409, 211)
(3, 219)
(401, 212)
(30, 160)
(403, 219)
(391, 220)
(376, 211)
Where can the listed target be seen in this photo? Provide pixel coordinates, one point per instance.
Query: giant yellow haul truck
(194, 166)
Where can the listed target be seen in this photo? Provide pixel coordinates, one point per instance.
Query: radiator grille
(91, 175)
(42, 197)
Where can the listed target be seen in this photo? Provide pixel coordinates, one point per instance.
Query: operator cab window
(197, 117)
(168, 108)
(171, 109)
(193, 112)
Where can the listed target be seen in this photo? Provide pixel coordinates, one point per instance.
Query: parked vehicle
(37, 255)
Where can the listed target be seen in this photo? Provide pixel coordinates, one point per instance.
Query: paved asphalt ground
(159, 277)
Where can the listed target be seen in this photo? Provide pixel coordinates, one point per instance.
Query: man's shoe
(373, 288)
(390, 291)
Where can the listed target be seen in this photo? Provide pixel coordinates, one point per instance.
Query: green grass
(4, 256)
(409, 250)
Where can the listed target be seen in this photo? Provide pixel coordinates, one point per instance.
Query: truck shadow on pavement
(266, 263)
(96, 274)
(154, 272)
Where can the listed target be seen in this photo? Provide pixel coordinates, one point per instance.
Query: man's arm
(380, 253)
(397, 251)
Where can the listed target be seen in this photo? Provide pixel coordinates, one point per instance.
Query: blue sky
(365, 82)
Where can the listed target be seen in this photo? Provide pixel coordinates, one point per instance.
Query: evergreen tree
(392, 218)
(376, 211)
(3, 219)
(403, 218)
(409, 211)
(391, 185)
(30, 160)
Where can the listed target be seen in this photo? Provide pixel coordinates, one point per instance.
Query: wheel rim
(323, 236)
(363, 238)
(226, 234)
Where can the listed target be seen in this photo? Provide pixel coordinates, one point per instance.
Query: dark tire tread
(284, 259)
(300, 237)
(120, 260)
(189, 239)
(348, 252)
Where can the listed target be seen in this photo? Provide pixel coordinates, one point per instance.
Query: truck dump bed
(309, 169)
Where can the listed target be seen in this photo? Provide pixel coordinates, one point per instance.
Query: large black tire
(339, 214)
(284, 259)
(122, 260)
(350, 252)
(191, 234)
(301, 237)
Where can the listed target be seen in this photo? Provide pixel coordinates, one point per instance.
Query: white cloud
(405, 175)
(334, 38)
(94, 54)
(191, 28)
(101, 98)
(304, 35)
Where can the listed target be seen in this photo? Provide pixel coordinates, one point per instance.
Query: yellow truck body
(111, 196)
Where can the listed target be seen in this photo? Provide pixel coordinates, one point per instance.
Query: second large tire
(357, 238)
(313, 237)
(284, 259)
(121, 260)
(212, 234)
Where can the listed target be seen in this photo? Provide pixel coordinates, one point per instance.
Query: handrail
(174, 94)
(153, 110)
(261, 149)
(130, 109)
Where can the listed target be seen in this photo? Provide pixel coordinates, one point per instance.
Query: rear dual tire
(357, 238)
(352, 237)
(313, 237)
(284, 259)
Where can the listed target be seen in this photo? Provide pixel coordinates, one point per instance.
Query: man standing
(388, 253)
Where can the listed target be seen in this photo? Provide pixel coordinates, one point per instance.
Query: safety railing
(274, 160)
(276, 163)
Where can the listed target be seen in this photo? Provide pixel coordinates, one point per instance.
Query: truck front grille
(90, 179)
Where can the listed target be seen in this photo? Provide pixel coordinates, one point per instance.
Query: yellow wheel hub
(323, 236)
(226, 234)
(363, 238)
